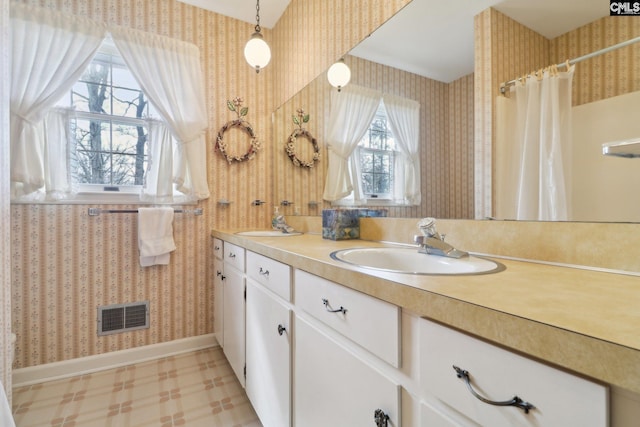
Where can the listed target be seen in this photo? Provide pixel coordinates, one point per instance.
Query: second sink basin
(410, 261)
(267, 233)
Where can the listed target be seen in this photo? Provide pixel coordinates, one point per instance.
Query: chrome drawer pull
(515, 401)
(380, 418)
(339, 310)
(281, 330)
(232, 255)
(264, 272)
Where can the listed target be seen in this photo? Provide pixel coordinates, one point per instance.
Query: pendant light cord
(257, 16)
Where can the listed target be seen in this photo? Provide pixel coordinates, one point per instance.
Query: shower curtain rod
(503, 86)
(98, 211)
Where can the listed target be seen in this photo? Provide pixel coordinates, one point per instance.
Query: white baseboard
(100, 362)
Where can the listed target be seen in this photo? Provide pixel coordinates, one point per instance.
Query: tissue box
(372, 213)
(340, 224)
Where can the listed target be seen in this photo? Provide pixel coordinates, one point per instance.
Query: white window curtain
(542, 138)
(49, 52)
(169, 72)
(158, 186)
(352, 111)
(404, 121)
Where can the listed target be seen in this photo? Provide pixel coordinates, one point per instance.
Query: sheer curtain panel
(404, 121)
(170, 74)
(49, 52)
(352, 111)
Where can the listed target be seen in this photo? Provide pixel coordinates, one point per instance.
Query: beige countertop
(585, 321)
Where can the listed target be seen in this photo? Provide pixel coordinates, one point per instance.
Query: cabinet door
(333, 387)
(218, 300)
(233, 320)
(268, 356)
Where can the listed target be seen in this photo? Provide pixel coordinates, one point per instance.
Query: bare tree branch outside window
(110, 134)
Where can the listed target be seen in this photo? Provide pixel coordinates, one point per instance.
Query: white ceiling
(245, 10)
(434, 38)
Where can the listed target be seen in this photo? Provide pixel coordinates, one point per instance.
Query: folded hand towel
(155, 235)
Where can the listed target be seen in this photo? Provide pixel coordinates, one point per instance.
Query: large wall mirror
(444, 84)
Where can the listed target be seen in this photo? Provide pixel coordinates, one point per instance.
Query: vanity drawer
(234, 255)
(273, 274)
(560, 398)
(218, 248)
(372, 323)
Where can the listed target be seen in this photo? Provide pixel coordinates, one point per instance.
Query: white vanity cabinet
(218, 290)
(319, 353)
(269, 335)
(334, 387)
(234, 308)
(340, 334)
(498, 375)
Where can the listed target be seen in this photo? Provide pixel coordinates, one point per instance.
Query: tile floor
(194, 389)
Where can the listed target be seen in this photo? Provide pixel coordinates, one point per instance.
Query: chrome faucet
(431, 242)
(280, 224)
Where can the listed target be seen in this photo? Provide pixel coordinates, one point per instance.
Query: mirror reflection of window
(376, 153)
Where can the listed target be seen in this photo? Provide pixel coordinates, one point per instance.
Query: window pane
(110, 154)
(379, 163)
(367, 183)
(123, 78)
(129, 103)
(366, 161)
(91, 97)
(123, 170)
(90, 167)
(128, 139)
(381, 183)
(376, 152)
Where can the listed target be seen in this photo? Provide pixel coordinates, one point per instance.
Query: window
(376, 155)
(109, 149)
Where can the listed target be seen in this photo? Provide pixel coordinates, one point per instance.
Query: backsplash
(599, 245)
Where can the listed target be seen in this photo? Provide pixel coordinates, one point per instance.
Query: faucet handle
(427, 226)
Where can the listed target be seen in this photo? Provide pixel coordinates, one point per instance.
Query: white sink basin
(267, 233)
(410, 261)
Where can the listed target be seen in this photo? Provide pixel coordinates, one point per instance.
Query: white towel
(155, 235)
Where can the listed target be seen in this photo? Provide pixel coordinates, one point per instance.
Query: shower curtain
(539, 135)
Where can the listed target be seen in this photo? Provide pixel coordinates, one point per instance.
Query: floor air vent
(116, 318)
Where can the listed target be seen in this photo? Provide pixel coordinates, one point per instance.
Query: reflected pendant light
(256, 51)
(339, 74)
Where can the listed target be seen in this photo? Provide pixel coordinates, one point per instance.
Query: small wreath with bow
(255, 145)
(301, 132)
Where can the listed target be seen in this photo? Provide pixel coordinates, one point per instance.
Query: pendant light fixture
(339, 74)
(256, 51)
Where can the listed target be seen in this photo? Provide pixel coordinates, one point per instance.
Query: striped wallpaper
(65, 264)
(5, 208)
(612, 74)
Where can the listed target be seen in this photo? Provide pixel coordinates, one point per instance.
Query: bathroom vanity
(330, 342)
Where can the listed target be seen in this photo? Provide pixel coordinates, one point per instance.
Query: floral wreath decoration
(290, 148)
(221, 146)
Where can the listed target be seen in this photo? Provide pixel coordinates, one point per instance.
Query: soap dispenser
(274, 219)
